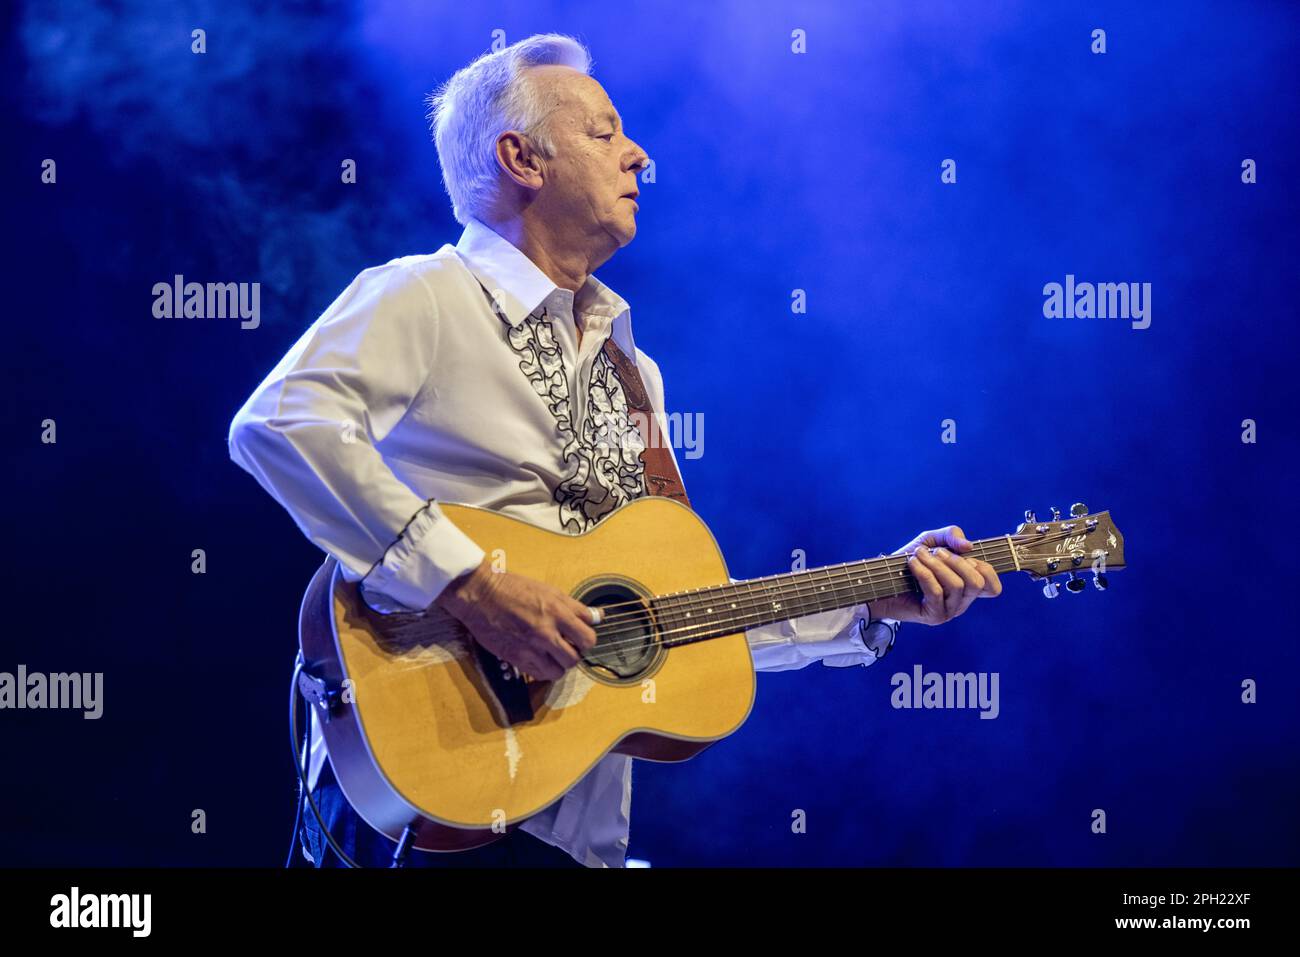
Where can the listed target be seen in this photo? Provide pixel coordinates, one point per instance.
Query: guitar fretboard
(720, 610)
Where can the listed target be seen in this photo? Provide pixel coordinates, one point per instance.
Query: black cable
(297, 814)
(301, 769)
(295, 840)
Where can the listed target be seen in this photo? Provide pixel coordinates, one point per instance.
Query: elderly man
(481, 374)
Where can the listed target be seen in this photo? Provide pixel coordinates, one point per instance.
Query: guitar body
(421, 737)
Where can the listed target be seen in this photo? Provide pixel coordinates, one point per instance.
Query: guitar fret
(711, 612)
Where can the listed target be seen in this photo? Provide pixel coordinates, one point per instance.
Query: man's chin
(621, 230)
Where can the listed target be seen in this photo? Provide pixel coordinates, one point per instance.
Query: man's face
(593, 175)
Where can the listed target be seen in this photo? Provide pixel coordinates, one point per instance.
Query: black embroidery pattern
(604, 468)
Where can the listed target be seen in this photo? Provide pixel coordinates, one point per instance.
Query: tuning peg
(1078, 510)
(1056, 514)
(1029, 516)
(1051, 589)
(1099, 581)
(1075, 584)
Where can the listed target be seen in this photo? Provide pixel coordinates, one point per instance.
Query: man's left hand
(949, 582)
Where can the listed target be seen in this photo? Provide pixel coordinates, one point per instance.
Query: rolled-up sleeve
(309, 435)
(831, 637)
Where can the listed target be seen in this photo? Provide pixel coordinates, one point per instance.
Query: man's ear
(520, 161)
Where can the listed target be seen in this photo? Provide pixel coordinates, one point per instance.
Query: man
(479, 375)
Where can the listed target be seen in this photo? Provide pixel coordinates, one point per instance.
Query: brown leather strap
(661, 475)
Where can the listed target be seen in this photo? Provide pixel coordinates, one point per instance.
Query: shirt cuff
(830, 637)
(866, 655)
(429, 554)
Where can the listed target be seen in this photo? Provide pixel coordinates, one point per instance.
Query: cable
(297, 814)
(302, 770)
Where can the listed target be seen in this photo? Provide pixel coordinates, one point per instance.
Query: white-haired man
(480, 374)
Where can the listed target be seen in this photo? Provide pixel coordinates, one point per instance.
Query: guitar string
(758, 609)
(753, 601)
(793, 587)
(894, 564)
(896, 567)
(695, 600)
(756, 604)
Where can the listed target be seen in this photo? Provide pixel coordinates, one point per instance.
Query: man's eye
(605, 136)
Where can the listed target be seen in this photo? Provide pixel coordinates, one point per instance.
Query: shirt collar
(519, 286)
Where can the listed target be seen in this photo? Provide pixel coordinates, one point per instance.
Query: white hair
(482, 101)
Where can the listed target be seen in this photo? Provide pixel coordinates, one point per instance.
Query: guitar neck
(720, 610)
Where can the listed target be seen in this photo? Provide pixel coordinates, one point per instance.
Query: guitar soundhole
(626, 647)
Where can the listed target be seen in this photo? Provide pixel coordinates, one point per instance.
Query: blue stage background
(774, 171)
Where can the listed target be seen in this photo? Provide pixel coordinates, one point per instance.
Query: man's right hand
(524, 622)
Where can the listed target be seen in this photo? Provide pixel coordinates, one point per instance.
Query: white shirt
(412, 388)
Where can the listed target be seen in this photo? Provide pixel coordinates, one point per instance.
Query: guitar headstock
(1070, 546)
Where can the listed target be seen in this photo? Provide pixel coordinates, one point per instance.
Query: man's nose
(639, 158)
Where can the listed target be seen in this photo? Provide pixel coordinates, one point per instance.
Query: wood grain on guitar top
(424, 724)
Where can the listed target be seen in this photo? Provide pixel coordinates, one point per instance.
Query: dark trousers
(369, 848)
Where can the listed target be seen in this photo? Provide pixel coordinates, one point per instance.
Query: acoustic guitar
(441, 746)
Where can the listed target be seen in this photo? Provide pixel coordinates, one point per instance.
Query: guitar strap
(661, 475)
